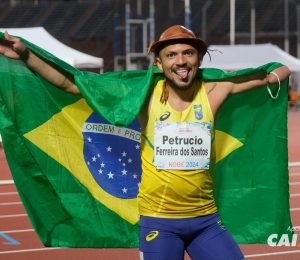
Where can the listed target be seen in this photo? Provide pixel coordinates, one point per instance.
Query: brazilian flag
(76, 165)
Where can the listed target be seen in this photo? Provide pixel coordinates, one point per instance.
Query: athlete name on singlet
(182, 145)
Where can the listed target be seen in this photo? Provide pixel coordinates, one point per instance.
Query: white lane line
(17, 231)
(296, 228)
(295, 195)
(294, 164)
(295, 209)
(30, 250)
(275, 253)
(13, 216)
(8, 193)
(3, 182)
(10, 203)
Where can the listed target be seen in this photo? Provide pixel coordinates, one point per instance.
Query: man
(176, 203)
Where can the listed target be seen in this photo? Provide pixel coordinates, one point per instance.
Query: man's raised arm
(14, 48)
(273, 77)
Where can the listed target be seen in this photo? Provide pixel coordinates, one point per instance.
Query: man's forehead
(178, 47)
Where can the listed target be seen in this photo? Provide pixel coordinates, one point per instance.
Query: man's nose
(180, 59)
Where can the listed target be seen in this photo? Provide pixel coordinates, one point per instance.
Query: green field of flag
(41, 127)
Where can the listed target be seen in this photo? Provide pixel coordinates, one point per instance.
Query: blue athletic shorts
(203, 238)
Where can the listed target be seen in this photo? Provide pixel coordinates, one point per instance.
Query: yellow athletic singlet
(175, 193)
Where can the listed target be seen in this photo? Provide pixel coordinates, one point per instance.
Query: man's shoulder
(209, 84)
(216, 86)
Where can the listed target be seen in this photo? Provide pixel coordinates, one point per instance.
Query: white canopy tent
(235, 57)
(39, 36)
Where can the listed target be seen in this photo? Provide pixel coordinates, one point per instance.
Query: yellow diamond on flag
(225, 144)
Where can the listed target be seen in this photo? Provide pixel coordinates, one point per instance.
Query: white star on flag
(110, 175)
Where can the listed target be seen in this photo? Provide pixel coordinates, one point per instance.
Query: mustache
(178, 68)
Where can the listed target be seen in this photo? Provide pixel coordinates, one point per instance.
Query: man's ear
(157, 62)
(200, 57)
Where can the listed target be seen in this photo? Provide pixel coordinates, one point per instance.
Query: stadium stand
(88, 25)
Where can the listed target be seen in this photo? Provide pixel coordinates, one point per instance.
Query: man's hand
(12, 47)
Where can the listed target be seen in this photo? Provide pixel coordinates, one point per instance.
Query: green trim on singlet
(148, 141)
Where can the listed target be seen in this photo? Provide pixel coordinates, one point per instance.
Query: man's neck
(180, 99)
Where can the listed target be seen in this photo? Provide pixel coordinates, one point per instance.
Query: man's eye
(189, 53)
(170, 55)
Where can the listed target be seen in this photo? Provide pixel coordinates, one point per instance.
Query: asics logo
(153, 234)
(165, 116)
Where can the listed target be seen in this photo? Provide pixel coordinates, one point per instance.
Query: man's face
(180, 63)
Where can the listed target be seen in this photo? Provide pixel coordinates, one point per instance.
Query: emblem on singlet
(198, 112)
(165, 116)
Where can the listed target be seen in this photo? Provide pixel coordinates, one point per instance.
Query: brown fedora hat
(177, 33)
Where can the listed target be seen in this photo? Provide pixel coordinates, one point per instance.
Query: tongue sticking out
(183, 74)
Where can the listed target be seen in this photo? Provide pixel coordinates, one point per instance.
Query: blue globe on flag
(112, 155)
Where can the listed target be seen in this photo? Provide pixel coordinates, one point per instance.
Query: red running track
(19, 241)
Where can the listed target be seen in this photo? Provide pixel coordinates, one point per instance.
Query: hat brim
(157, 46)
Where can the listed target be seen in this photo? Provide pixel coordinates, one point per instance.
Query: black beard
(173, 84)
